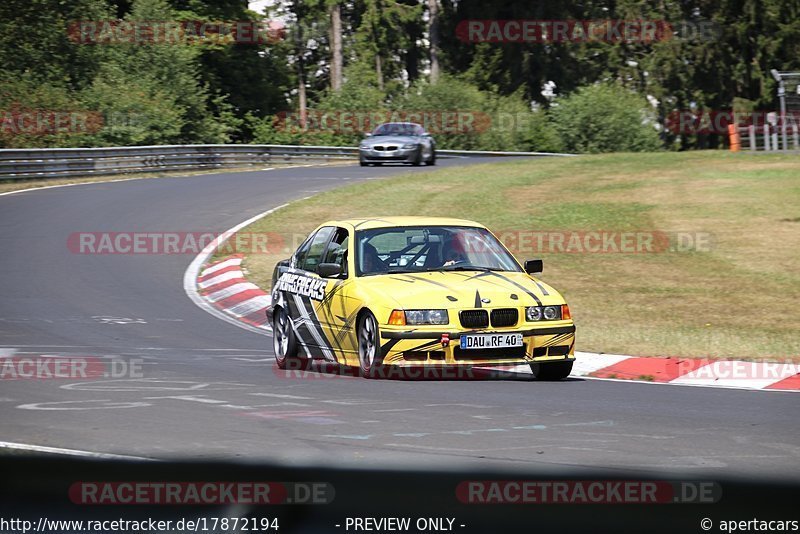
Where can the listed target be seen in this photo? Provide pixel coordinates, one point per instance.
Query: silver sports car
(397, 142)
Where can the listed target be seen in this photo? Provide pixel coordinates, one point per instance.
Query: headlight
(409, 146)
(427, 317)
(533, 313)
(364, 147)
(548, 313)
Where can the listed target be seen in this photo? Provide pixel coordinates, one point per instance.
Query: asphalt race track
(210, 389)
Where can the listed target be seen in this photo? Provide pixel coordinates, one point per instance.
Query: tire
(551, 371)
(432, 161)
(284, 344)
(418, 160)
(362, 163)
(369, 345)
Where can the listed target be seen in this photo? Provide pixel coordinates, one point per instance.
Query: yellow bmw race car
(411, 292)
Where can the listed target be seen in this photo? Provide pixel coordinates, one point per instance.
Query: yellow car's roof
(367, 223)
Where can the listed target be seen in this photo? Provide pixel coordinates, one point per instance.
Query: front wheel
(432, 161)
(368, 345)
(551, 371)
(284, 343)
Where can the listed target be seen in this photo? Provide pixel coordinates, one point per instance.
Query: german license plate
(490, 341)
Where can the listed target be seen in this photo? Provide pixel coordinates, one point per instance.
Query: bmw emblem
(486, 301)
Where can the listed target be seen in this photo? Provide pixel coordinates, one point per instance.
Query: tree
(253, 76)
(380, 38)
(337, 57)
(35, 40)
(433, 37)
(162, 72)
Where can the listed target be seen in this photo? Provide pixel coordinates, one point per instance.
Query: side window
(300, 254)
(315, 250)
(337, 250)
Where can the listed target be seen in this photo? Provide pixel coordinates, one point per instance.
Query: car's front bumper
(407, 347)
(400, 155)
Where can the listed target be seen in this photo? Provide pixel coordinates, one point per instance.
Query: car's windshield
(398, 128)
(430, 248)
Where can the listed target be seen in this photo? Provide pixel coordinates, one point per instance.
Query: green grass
(739, 298)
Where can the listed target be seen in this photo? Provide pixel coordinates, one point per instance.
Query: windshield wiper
(438, 269)
(469, 268)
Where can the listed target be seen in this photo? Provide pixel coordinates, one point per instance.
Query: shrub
(605, 118)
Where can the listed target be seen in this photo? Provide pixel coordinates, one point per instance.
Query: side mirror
(280, 267)
(329, 270)
(367, 134)
(533, 266)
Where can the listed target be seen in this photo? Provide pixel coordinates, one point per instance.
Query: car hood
(398, 140)
(462, 289)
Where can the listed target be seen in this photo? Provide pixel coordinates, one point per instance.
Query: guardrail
(65, 162)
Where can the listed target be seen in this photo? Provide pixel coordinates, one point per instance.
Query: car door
(298, 290)
(336, 311)
(318, 306)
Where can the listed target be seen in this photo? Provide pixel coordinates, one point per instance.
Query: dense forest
(323, 71)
